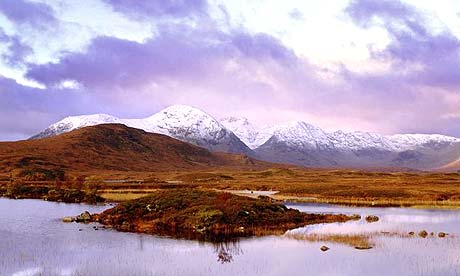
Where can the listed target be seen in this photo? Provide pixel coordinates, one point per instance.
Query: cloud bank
(194, 58)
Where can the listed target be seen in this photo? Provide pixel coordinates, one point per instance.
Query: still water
(34, 241)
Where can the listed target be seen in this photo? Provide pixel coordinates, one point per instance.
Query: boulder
(324, 248)
(68, 219)
(411, 233)
(442, 234)
(355, 217)
(372, 218)
(83, 217)
(423, 234)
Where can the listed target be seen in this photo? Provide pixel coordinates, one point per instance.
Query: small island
(207, 215)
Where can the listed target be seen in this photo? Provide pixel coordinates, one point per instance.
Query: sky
(385, 66)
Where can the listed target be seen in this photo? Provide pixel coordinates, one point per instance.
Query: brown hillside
(114, 147)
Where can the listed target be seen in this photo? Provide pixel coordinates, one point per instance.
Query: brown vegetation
(207, 215)
(110, 147)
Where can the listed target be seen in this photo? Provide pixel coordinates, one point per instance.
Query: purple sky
(152, 54)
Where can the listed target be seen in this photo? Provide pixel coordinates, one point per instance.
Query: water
(34, 241)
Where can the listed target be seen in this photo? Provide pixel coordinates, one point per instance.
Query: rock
(83, 217)
(68, 219)
(266, 198)
(355, 217)
(324, 248)
(442, 234)
(423, 234)
(125, 226)
(372, 218)
(411, 233)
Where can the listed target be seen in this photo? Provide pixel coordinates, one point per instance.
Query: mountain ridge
(294, 142)
(181, 122)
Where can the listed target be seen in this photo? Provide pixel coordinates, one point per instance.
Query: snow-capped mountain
(74, 122)
(294, 142)
(243, 129)
(303, 144)
(182, 122)
(192, 125)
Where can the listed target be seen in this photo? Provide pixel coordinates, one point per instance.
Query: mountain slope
(243, 129)
(75, 122)
(303, 144)
(451, 167)
(182, 122)
(191, 125)
(114, 147)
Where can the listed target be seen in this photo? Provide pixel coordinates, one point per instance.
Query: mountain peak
(75, 122)
(243, 129)
(182, 122)
(181, 108)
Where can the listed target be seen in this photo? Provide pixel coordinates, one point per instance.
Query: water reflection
(34, 241)
(226, 250)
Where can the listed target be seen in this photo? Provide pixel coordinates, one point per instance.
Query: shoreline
(349, 202)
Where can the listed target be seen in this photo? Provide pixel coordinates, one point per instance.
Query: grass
(349, 187)
(120, 195)
(207, 215)
(357, 241)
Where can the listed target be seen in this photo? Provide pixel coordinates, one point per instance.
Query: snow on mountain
(301, 135)
(294, 142)
(182, 122)
(74, 122)
(191, 125)
(412, 141)
(243, 129)
(303, 144)
(358, 140)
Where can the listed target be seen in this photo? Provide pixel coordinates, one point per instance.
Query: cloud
(423, 73)
(227, 70)
(27, 12)
(296, 14)
(25, 110)
(16, 50)
(418, 53)
(178, 52)
(173, 8)
(364, 12)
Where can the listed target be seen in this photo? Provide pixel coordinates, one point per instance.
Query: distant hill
(115, 147)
